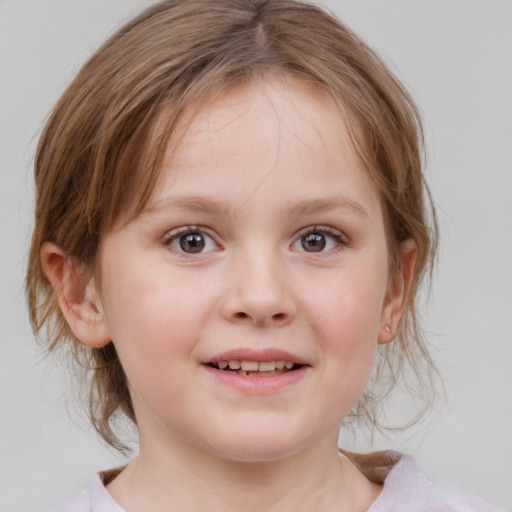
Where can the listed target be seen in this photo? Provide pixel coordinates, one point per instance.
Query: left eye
(318, 241)
(192, 242)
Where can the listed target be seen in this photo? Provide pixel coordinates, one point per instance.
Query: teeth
(250, 366)
(267, 366)
(254, 366)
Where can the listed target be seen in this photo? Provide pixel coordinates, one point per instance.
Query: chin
(262, 445)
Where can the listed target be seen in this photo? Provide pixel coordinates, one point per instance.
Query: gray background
(456, 57)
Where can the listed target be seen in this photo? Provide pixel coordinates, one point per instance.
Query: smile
(256, 368)
(261, 371)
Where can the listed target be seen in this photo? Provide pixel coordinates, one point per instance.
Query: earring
(387, 328)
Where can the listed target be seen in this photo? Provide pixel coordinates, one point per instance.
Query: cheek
(154, 315)
(345, 315)
(348, 308)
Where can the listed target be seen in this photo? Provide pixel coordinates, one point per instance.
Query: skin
(258, 169)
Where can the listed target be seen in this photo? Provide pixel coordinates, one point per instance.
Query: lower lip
(258, 385)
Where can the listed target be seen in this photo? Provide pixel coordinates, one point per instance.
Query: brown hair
(98, 159)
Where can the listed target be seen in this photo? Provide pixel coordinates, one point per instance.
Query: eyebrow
(312, 206)
(192, 204)
(207, 206)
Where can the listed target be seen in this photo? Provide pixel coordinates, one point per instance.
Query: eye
(319, 239)
(191, 241)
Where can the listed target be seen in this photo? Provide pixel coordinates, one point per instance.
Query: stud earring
(388, 329)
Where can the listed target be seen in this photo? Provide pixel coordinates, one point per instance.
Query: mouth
(256, 368)
(261, 371)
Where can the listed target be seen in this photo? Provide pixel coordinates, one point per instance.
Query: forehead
(274, 131)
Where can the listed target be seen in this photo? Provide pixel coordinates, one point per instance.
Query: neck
(186, 478)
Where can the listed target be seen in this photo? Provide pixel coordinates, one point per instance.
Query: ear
(397, 295)
(77, 296)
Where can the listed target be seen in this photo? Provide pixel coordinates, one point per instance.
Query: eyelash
(339, 238)
(175, 235)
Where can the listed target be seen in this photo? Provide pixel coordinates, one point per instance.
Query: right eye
(191, 241)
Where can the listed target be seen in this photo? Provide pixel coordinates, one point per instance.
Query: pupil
(192, 242)
(313, 242)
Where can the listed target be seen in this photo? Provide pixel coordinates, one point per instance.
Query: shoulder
(407, 490)
(80, 502)
(93, 499)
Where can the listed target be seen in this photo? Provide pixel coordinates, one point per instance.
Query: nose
(258, 292)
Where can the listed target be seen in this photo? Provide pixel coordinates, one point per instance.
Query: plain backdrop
(456, 58)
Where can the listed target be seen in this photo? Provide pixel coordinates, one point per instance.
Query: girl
(231, 231)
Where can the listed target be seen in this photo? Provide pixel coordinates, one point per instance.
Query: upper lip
(250, 354)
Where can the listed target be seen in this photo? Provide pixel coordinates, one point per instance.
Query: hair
(98, 158)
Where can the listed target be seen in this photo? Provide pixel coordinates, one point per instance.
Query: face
(247, 300)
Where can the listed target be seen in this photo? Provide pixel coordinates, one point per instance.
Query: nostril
(243, 316)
